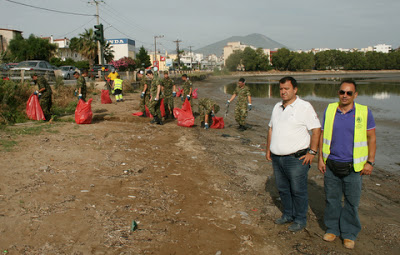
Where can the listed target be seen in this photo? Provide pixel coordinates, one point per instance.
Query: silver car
(68, 71)
(27, 68)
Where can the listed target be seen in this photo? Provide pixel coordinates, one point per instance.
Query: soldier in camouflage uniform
(187, 89)
(155, 98)
(145, 95)
(207, 109)
(80, 86)
(244, 103)
(44, 93)
(169, 92)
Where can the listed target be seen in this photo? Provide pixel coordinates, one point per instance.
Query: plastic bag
(179, 93)
(83, 112)
(162, 108)
(33, 109)
(184, 116)
(105, 97)
(217, 123)
(194, 93)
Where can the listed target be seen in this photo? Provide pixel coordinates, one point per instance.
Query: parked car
(7, 66)
(30, 66)
(68, 71)
(96, 68)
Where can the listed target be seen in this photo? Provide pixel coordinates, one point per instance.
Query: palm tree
(85, 45)
(108, 52)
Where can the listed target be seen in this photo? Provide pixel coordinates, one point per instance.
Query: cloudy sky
(297, 24)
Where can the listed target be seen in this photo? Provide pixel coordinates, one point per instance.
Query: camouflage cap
(165, 72)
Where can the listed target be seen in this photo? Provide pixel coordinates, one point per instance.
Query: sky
(300, 25)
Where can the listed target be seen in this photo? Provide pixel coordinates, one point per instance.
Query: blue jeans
(342, 220)
(291, 181)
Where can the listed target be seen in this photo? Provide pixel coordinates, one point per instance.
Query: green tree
(263, 60)
(355, 61)
(142, 58)
(281, 59)
(250, 59)
(376, 60)
(32, 48)
(234, 60)
(108, 52)
(85, 45)
(301, 61)
(393, 60)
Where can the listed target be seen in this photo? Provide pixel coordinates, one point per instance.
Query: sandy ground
(76, 189)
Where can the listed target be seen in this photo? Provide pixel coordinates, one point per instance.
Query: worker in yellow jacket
(117, 88)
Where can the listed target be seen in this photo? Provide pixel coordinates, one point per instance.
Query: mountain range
(256, 40)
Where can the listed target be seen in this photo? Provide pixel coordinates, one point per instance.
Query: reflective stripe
(327, 142)
(360, 160)
(361, 144)
(325, 155)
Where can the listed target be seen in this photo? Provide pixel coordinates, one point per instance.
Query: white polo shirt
(290, 127)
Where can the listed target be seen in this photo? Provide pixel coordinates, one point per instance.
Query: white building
(383, 48)
(122, 47)
(5, 36)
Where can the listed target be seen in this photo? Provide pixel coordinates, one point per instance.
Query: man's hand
(206, 126)
(307, 158)
(268, 155)
(321, 166)
(188, 97)
(174, 94)
(80, 96)
(250, 107)
(36, 92)
(367, 170)
(142, 95)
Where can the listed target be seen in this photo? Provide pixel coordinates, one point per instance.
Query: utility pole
(177, 52)
(190, 53)
(155, 46)
(99, 45)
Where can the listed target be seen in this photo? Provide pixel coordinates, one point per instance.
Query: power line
(77, 28)
(50, 10)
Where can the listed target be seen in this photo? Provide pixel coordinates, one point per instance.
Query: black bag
(340, 169)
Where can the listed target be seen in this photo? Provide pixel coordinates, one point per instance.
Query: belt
(297, 154)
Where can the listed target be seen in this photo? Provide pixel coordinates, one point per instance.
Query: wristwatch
(312, 152)
(371, 163)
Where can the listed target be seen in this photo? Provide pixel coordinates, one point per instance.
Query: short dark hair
(76, 72)
(149, 72)
(184, 75)
(289, 78)
(351, 81)
(242, 80)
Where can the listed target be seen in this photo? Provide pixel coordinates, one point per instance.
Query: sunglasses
(349, 93)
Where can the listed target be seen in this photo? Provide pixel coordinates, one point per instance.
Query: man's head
(347, 92)
(140, 74)
(241, 82)
(184, 77)
(118, 76)
(288, 89)
(85, 73)
(165, 74)
(34, 76)
(150, 74)
(76, 75)
(113, 70)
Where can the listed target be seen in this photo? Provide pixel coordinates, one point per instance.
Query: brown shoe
(329, 237)
(349, 244)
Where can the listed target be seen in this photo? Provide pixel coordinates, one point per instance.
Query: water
(383, 98)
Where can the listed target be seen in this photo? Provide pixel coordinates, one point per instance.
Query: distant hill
(256, 40)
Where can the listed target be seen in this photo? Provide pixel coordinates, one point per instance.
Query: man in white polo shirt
(292, 150)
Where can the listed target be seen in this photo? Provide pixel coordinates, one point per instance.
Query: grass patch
(7, 145)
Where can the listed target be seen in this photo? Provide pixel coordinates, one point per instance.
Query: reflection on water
(383, 97)
(319, 90)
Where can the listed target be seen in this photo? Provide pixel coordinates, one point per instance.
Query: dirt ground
(76, 189)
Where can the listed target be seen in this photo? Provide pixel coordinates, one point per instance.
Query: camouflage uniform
(145, 100)
(187, 85)
(205, 108)
(154, 107)
(81, 83)
(241, 105)
(168, 84)
(45, 98)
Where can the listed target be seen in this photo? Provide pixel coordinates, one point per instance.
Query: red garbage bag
(137, 113)
(194, 93)
(83, 112)
(33, 109)
(184, 116)
(105, 97)
(179, 93)
(162, 108)
(218, 123)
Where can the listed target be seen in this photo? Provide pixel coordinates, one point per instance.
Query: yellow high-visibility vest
(360, 149)
(118, 84)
